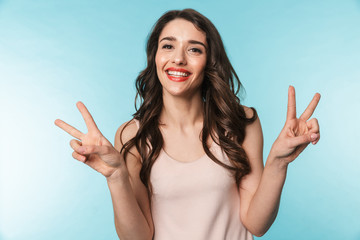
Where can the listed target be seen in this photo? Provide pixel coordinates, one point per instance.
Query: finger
(78, 157)
(311, 107)
(69, 129)
(313, 125)
(291, 108)
(86, 150)
(89, 121)
(75, 144)
(294, 142)
(316, 140)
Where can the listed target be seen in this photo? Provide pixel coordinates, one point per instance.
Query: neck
(182, 112)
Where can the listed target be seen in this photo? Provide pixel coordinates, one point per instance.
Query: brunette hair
(224, 116)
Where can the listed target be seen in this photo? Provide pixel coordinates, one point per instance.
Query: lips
(177, 74)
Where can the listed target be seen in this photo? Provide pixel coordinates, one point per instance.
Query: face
(181, 58)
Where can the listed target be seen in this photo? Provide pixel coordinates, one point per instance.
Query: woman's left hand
(297, 132)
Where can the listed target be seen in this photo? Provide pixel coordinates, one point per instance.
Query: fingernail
(313, 136)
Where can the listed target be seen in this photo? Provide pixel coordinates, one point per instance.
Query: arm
(260, 191)
(129, 196)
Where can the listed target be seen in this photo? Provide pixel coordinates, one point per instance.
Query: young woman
(189, 165)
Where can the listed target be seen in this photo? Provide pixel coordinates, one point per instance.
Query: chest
(184, 147)
(202, 178)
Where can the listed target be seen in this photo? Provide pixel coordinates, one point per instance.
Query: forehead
(182, 30)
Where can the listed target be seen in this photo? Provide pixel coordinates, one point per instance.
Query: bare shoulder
(124, 133)
(133, 161)
(253, 133)
(248, 111)
(253, 146)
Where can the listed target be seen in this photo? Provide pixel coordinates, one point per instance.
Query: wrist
(120, 175)
(277, 164)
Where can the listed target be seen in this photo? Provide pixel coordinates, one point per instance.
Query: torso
(194, 197)
(195, 200)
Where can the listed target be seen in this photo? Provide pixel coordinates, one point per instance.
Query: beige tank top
(196, 200)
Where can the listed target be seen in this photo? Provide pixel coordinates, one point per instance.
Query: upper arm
(253, 146)
(133, 163)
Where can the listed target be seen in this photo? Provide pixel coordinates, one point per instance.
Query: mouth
(177, 74)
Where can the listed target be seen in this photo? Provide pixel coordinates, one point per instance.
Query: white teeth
(175, 73)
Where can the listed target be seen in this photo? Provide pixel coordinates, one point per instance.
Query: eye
(196, 50)
(167, 46)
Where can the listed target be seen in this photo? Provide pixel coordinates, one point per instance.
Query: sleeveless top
(196, 200)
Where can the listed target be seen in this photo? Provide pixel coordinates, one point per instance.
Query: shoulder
(253, 131)
(124, 133)
(249, 112)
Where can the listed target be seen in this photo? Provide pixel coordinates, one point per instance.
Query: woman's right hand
(93, 148)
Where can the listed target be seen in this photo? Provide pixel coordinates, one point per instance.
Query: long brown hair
(224, 116)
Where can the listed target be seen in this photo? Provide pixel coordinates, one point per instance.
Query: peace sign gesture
(297, 132)
(93, 148)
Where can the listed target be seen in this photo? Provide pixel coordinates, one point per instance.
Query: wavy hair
(224, 116)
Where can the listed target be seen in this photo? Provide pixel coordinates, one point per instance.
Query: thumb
(303, 139)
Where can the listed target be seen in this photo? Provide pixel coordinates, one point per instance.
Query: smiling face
(181, 58)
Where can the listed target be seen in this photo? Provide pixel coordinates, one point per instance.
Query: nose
(179, 57)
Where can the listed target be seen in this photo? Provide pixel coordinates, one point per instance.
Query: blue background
(54, 53)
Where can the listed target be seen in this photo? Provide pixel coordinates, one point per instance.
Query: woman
(189, 165)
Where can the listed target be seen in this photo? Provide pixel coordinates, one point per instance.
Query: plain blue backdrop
(54, 53)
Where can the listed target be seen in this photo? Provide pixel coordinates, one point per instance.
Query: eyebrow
(190, 41)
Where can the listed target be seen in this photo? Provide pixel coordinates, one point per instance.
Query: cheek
(160, 60)
(157, 61)
(200, 66)
(158, 64)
